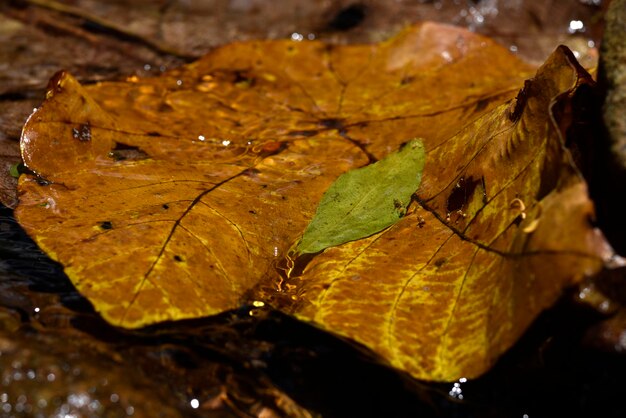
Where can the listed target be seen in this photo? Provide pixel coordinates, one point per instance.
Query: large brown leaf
(181, 196)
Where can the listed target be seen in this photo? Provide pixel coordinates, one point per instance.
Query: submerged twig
(111, 27)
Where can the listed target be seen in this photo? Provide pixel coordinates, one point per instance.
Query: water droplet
(201, 137)
(576, 26)
(591, 43)
(310, 36)
(114, 397)
(513, 48)
(179, 82)
(36, 310)
(226, 142)
(4, 398)
(130, 410)
(194, 403)
(51, 377)
(147, 67)
(82, 133)
(258, 304)
(162, 68)
(456, 391)
(297, 37)
(446, 56)
(31, 374)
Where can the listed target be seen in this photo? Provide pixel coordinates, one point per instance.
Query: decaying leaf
(179, 196)
(365, 201)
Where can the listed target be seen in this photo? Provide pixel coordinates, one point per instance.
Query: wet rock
(39, 378)
(610, 184)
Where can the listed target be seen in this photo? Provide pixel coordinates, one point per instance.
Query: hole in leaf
(331, 123)
(305, 133)
(520, 102)
(122, 152)
(106, 225)
(461, 193)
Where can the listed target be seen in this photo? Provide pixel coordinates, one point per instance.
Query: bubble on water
(194, 403)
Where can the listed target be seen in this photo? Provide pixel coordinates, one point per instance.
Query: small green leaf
(365, 201)
(14, 170)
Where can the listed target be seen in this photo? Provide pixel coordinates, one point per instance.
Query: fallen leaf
(180, 196)
(365, 201)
